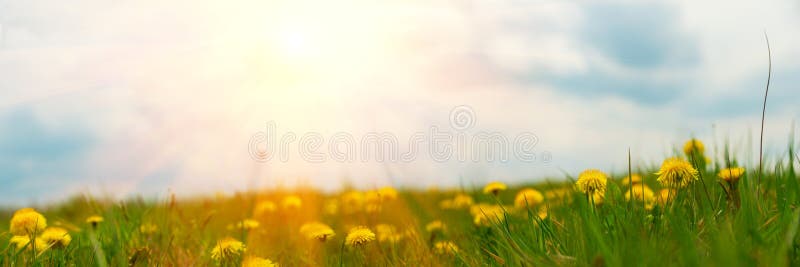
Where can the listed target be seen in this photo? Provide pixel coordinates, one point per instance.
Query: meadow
(690, 210)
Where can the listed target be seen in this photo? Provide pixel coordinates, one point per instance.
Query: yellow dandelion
(731, 175)
(258, 262)
(676, 173)
(479, 208)
(486, 215)
(387, 233)
(317, 231)
(246, 224)
(693, 146)
(372, 196)
(591, 181)
(27, 221)
(388, 193)
(641, 193)
(462, 201)
(291, 202)
(435, 226)
(494, 188)
(597, 197)
(634, 179)
(559, 195)
(664, 196)
(528, 198)
(373, 208)
(227, 248)
(445, 247)
(55, 237)
(94, 220)
(484, 207)
(542, 213)
(264, 207)
(390, 238)
(41, 245)
(359, 236)
(487, 219)
(148, 228)
(331, 207)
(352, 202)
(20, 241)
(446, 204)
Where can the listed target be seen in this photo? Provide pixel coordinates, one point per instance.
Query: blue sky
(136, 97)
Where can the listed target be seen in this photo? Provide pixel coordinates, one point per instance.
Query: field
(690, 211)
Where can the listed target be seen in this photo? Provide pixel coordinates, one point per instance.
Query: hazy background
(142, 97)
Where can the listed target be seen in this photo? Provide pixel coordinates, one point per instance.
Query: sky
(125, 98)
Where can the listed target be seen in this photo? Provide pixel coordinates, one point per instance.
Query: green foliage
(705, 224)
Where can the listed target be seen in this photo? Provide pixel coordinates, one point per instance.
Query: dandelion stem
(341, 254)
(630, 175)
(702, 181)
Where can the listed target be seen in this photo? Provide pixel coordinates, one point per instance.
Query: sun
(298, 43)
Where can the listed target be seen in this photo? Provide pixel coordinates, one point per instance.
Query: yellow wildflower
(486, 215)
(446, 204)
(359, 236)
(264, 207)
(258, 262)
(693, 146)
(542, 213)
(676, 173)
(387, 233)
(731, 175)
(317, 231)
(528, 198)
(373, 208)
(445, 247)
(435, 226)
(632, 179)
(597, 197)
(461, 201)
(21, 241)
(246, 224)
(591, 181)
(291, 202)
(664, 196)
(55, 237)
(494, 188)
(227, 248)
(559, 195)
(331, 207)
(94, 220)
(641, 194)
(388, 193)
(27, 221)
(372, 196)
(352, 201)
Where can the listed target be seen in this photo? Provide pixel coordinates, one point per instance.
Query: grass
(706, 223)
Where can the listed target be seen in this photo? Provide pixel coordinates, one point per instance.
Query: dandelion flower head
(27, 221)
(528, 198)
(359, 236)
(494, 188)
(591, 181)
(227, 248)
(676, 173)
(731, 175)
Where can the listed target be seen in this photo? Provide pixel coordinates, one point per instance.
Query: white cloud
(178, 88)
